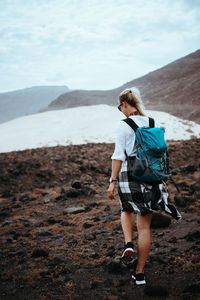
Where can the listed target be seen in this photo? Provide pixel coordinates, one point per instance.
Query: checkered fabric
(142, 198)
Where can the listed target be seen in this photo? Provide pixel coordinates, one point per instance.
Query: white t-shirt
(125, 137)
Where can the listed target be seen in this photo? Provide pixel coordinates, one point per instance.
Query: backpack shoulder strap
(151, 123)
(131, 123)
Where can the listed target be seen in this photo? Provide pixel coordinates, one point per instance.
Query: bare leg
(127, 221)
(144, 240)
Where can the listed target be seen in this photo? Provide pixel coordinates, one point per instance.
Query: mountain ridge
(173, 88)
(18, 103)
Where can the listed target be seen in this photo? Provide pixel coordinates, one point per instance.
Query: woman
(133, 194)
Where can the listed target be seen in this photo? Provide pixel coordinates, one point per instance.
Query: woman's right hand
(111, 190)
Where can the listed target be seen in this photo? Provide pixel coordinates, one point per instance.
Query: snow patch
(81, 125)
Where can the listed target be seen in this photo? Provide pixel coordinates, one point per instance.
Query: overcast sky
(92, 44)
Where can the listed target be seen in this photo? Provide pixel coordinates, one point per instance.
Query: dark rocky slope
(61, 237)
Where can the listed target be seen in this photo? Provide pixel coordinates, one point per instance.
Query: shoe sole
(139, 282)
(128, 255)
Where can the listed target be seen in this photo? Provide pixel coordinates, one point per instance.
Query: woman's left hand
(111, 190)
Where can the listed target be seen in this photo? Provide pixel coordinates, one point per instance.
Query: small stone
(110, 253)
(58, 198)
(71, 192)
(179, 201)
(160, 259)
(57, 260)
(193, 288)
(47, 200)
(156, 291)
(40, 252)
(160, 221)
(114, 266)
(44, 233)
(6, 223)
(160, 234)
(107, 208)
(52, 220)
(90, 237)
(87, 225)
(26, 198)
(93, 218)
(45, 272)
(77, 184)
(119, 282)
(173, 249)
(93, 284)
(65, 223)
(20, 252)
(94, 255)
(74, 210)
(192, 236)
(172, 239)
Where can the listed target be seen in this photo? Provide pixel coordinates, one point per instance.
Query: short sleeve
(120, 142)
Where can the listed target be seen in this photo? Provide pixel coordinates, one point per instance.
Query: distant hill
(173, 88)
(27, 101)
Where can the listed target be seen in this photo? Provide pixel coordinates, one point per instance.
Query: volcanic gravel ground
(61, 236)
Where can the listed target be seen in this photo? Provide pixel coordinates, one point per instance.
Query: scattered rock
(193, 288)
(183, 201)
(173, 249)
(65, 223)
(93, 218)
(53, 220)
(71, 192)
(26, 198)
(156, 291)
(87, 225)
(156, 244)
(7, 223)
(160, 234)
(57, 260)
(114, 265)
(74, 210)
(119, 282)
(188, 168)
(90, 236)
(47, 200)
(180, 201)
(77, 184)
(107, 208)
(16, 253)
(94, 255)
(93, 283)
(5, 214)
(43, 233)
(58, 198)
(160, 221)
(193, 236)
(172, 239)
(160, 259)
(40, 252)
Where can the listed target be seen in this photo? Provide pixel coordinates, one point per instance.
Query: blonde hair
(132, 97)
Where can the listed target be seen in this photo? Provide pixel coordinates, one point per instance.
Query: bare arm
(116, 167)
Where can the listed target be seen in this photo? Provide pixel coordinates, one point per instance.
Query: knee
(143, 228)
(143, 231)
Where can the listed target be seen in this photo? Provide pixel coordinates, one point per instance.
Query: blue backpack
(150, 165)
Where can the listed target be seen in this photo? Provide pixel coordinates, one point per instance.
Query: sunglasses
(135, 113)
(119, 107)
